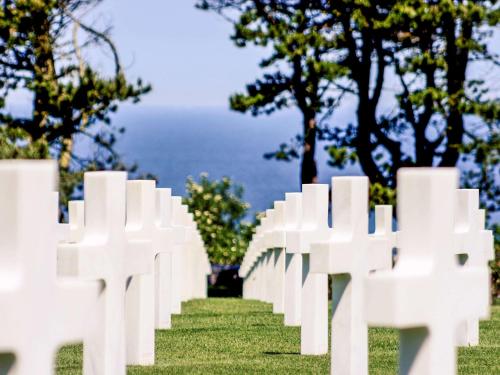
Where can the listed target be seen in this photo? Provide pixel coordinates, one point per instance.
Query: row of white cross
(129, 256)
(434, 290)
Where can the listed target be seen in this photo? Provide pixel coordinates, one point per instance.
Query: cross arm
(76, 302)
(398, 299)
(139, 257)
(163, 240)
(180, 233)
(299, 241)
(379, 252)
(332, 257)
(280, 238)
(83, 259)
(474, 286)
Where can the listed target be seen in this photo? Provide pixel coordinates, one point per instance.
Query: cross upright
(278, 246)
(177, 255)
(105, 253)
(140, 295)
(268, 251)
(39, 312)
(427, 295)
(487, 241)
(187, 258)
(163, 240)
(259, 261)
(76, 213)
(475, 247)
(313, 227)
(260, 253)
(250, 269)
(293, 262)
(349, 254)
(200, 264)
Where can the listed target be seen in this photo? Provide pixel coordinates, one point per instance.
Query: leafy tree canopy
(415, 67)
(43, 46)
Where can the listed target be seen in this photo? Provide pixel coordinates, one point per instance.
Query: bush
(219, 211)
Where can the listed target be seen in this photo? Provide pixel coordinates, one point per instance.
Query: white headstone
(278, 245)
(293, 262)
(313, 227)
(269, 255)
(188, 257)
(163, 241)
(428, 294)
(349, 254)
(475, 246)
(263, 259)
(180, 235)
(104, 253)
(140, 295)
(39, 312)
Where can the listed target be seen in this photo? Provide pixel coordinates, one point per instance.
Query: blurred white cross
(105, 253)
(39, 312)
(349, 254)
(428, 294)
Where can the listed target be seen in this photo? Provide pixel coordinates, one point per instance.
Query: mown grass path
(234, 336)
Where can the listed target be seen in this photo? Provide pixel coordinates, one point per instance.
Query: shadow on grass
(281, 353)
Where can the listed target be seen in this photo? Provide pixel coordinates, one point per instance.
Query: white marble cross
(428, 294)
(188, 255)
(349, 254)
(177, 255)
(278, 246)
(269, 255)
(250, 267)
(140, 295)
(313, 227)
(200, 263)
(475, 246)
(259, 260)
(293, 262)
(164, 241)
(39, 312)
(105, 253)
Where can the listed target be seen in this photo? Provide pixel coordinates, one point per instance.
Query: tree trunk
(309, 170)
(364, 148)
(43, 73)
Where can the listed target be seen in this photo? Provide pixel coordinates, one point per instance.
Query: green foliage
(219, 212)
(17, 144)
(435, 54)
(380, 194)
(42, 45)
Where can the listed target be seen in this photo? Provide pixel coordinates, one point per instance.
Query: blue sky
(184, 52)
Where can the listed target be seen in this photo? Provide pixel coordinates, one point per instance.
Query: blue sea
(173, 143)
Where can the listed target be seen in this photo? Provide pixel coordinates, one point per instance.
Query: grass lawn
(233, 336)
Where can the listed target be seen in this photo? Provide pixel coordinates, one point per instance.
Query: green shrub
(219, 211)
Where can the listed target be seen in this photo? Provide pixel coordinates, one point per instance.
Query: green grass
(233, 336)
